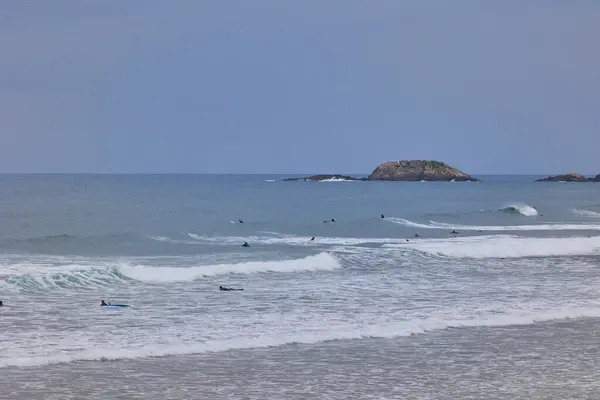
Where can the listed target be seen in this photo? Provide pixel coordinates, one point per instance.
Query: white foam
(336, 180)
(498, 228)
(270, 180)
(405, 222)
(292, 240)
(271, 233)
(585, 213)
(161, 238)
(174, 241)
(324, 333)
(319, 262)
(503, 246)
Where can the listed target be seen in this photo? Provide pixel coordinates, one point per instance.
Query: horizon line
(260, 173)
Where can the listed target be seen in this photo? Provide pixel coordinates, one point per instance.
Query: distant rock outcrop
(569, 177)
(418, 170)
(319, 178)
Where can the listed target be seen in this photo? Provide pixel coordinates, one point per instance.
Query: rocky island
(403, 170)
(418, 170)
(569, 177)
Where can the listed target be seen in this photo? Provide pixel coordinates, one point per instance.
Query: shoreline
(483, 362)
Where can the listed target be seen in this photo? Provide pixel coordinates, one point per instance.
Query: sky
(312, 86)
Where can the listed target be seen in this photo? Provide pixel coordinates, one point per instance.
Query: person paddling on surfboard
(245, 244)
(104, 304)
(225, 289)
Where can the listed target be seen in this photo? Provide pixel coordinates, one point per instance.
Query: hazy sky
(510, 86)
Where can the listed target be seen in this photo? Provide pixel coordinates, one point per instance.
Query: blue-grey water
(505, 308)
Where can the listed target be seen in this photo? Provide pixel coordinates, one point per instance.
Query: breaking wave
(522, 209)
(319, 262)
(497, 228)
(35, 277)
(503, 246)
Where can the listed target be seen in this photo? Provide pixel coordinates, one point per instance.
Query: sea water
(461, 290)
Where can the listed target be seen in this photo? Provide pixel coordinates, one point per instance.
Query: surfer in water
(312, 239)
(417, 235)
(240, 221)
(1, 303)
(382, 216)
(226, 289)
(102, 303)
(245, 244)
(454, 232)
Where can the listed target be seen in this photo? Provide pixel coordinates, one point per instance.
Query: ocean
(397, 307)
